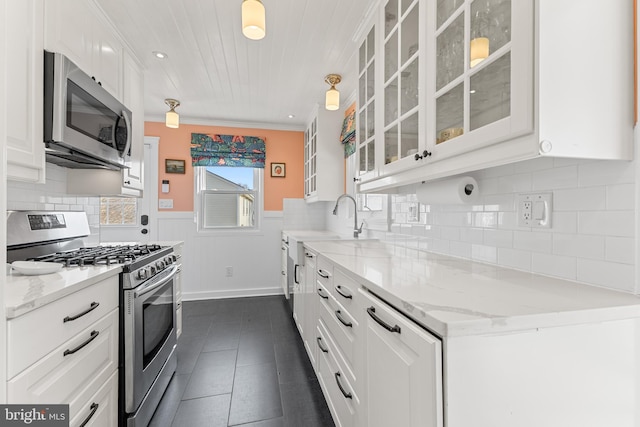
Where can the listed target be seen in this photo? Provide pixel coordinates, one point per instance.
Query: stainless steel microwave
(85, 127)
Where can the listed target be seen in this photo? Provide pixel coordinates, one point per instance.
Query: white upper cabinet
(23, 85)
(76, 29)
(134, 100)
(323, 156)
(366, 108)
(500, 81)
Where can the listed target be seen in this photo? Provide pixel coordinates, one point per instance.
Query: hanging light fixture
(253, 19)
(332, 98)
(172, 119)
(479, 50)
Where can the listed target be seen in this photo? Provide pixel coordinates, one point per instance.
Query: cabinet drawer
(345, 291)
(60, 378)
(339, 393)
(324, 272)
(101, 410)
(337, 321)
(31, 336)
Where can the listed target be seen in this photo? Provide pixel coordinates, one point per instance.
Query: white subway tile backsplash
(607, 223)
(620, 249)
(592, 173)
(578, 245)
(534, 241)
(580, 199)
(484, 253)
(554, 265)
(498, 238)
(621, 197)
(592, 237)
(607, 274)
(554, 178)
(514, 258)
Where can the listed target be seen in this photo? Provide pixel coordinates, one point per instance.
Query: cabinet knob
(417, 157)
(357, 179)
(426, 153)
(128, 182)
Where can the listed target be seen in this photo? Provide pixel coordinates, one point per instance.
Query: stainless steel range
(148, 356)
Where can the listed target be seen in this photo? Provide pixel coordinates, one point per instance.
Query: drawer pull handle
(341, 292)
(341, 319)
(324, 350)
(92, 307)
(344, 392)
(379, 321)
(94, 335)
(94, 408)
(323, 274)
(322, 296)
(308, 255)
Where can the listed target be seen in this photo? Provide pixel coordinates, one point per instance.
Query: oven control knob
(141, 274)
(160, 265)
(168, 261)
(152, 270)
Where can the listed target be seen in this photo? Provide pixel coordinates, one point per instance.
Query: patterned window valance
(227, 150)
(348, 135)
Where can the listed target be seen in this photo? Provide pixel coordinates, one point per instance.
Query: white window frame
(200, 192)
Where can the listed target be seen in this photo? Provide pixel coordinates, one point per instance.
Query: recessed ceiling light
(472, 91)
(291, 116)
(159, 55)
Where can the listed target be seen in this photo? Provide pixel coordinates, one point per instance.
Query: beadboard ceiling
(221, 77)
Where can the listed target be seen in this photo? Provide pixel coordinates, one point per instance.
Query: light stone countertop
(26, 293)
(456, 297)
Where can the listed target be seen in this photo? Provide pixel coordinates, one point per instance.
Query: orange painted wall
(281, 146)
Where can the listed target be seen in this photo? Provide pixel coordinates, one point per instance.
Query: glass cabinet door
(310, 158)
(475, 69)
(366, 105)
(401, 84)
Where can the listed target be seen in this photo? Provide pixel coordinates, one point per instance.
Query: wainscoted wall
(53, 196)
(254, 257)
(593, 234)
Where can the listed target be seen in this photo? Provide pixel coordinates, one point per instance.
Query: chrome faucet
(356, 230)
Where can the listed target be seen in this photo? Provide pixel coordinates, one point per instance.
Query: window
(118, 210)
(228, 197)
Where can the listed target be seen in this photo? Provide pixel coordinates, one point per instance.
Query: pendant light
(332, 98)
(479, 50)
(172, 119)
(253, 19)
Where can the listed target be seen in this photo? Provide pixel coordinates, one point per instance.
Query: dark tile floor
(241, 362)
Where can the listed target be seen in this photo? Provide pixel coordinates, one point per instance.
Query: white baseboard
(256, 292)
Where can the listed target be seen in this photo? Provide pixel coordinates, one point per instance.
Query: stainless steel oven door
(149, 334)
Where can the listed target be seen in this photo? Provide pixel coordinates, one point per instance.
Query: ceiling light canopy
(253, 19)
(172, 119)
(332, 98)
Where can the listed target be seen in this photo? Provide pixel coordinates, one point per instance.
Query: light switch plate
(534, 210)
(165, 204)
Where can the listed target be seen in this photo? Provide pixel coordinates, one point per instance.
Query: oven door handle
(150, 287)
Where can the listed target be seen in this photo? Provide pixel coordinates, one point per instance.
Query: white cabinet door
(403, 370)
(23, 28)
(134, 99)
(323, 170)
(75, 29)
(299, 299)
(101, 409)
(310, 306)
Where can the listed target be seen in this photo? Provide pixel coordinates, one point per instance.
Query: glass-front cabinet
(483, 63)
(402, 83)
(366, 107)
(464, 85)
(323, 156)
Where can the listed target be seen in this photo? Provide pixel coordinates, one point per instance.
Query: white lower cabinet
(403, 370)
(375, 366)
(73, 360)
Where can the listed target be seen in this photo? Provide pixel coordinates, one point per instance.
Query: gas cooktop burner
(100, 255)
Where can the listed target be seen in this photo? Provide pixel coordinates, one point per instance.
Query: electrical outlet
(534, 210)
(229, 271)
